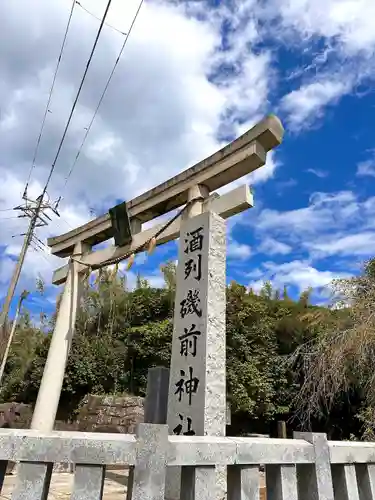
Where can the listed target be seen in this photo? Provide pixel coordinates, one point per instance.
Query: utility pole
(23, 296)
(35, 211)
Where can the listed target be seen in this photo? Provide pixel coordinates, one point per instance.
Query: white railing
(305, 468)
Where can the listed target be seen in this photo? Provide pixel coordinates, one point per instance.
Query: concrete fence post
(281, 482)
(243, 482)
(88, 482)
(151, 462)
(155, 407)
(315, 480)
(33, 481)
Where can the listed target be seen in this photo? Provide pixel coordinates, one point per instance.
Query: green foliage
(266, 291)
(337, 364)
(25, 350)
(304, 298)
(120, 333)
(260, 332)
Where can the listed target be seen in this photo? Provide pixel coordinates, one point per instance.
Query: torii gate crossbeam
(237, 159)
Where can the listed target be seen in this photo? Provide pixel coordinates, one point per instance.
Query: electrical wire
(103, 94)
(43, 253)
(98, 18)
(77, 97)
(39, 207)
(50, 94)
(66, 222)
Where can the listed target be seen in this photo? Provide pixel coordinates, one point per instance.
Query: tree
(26, 343)
(304, 298)
(339, 361)
(266, 290)
(120, 333)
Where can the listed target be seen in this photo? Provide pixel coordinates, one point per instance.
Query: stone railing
(304, 468)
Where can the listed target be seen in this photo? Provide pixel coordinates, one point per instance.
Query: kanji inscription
(200, 282)
(189, 341)
(191, 304)
(187, 385)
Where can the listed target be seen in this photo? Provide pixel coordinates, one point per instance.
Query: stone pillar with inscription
(197, 384)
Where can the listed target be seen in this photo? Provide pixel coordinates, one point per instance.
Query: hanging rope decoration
(149, 246)
(114, 272)
(130, 261)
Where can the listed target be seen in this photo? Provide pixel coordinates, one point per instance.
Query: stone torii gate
(197, 382)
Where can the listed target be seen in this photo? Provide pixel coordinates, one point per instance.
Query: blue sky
(194, 76)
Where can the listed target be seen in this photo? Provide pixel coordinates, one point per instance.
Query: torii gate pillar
(53, 375)
(237, 159)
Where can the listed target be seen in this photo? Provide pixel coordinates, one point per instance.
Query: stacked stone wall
(111, 414)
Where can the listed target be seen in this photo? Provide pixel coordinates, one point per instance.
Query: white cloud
(180, 92)
(348, 22)
(38, 262)
(337, 41)
(319, 173)
(156, 279)
(366, 168)
(309, 101)
(325, 211)
(297, 273)
(237, 250)
(267, 172)
(257, 177)
(361, 244)
(336, 225)
(271, 246)
(166, 108)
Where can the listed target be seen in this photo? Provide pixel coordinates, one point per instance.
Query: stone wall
(15, 415)
(117, 414)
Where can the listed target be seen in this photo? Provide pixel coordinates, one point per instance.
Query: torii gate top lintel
(268, 133)
(242, 156)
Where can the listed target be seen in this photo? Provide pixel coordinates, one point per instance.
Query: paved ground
(61, 486)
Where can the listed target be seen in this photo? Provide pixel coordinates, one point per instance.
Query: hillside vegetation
(286, 359)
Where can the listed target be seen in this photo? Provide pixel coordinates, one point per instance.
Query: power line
(50, 94)
(103, 94)
(36, 212)
(98, 18)
(67, 223)
(43, 255)
(77, 96)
